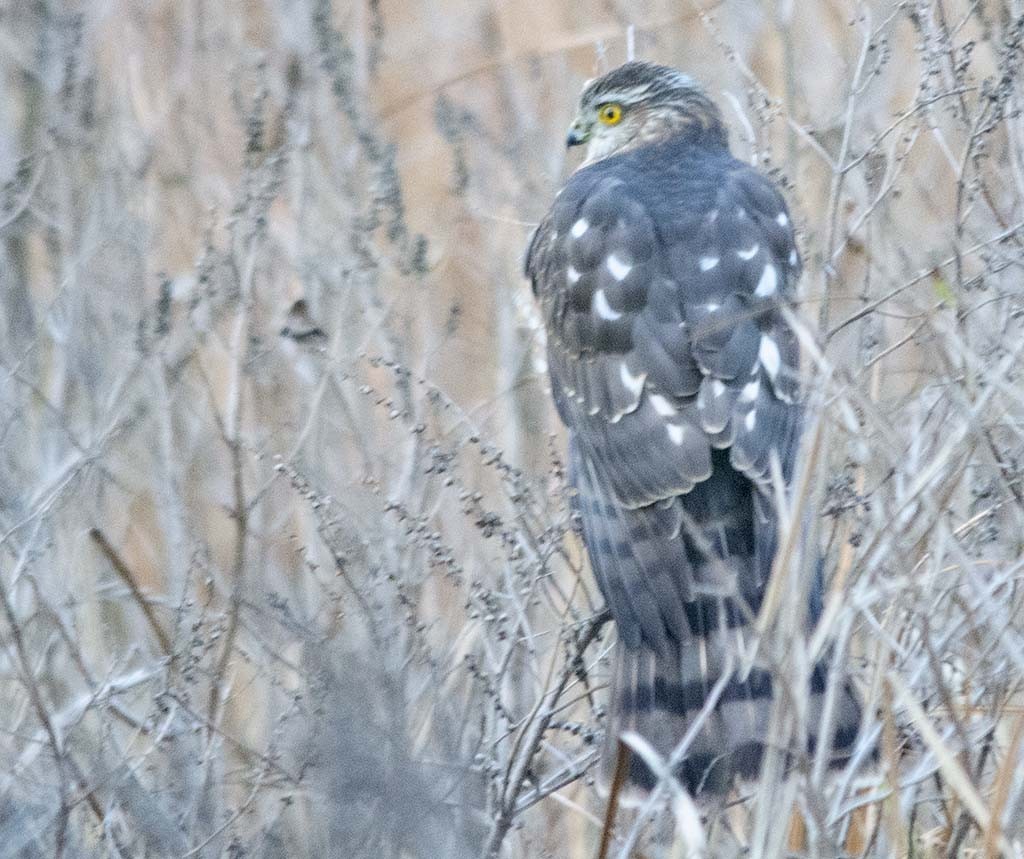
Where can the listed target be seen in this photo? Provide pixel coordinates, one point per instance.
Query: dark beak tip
(573, 138)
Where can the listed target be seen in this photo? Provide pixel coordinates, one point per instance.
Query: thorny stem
(546, 709)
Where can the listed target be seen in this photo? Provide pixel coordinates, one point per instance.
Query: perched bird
(663, 269)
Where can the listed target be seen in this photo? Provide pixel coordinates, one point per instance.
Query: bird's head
(640, 103)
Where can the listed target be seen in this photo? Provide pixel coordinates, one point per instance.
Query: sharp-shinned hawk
(663, 270)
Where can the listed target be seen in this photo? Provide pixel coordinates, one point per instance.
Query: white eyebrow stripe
(634, 93)
(603, 308)
(618, 268)
(750, 252)
(768, 283)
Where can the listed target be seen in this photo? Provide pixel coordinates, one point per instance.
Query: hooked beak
(576, 135)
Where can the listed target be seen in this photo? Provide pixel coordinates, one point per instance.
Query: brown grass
(286, 566)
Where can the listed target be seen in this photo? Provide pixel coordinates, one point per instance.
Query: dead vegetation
(286, 566)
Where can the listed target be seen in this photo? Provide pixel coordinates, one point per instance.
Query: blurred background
(286, 564)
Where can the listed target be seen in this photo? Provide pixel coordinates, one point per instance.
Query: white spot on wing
(603, 308)
(793, 258)
(571, 275)
(580, 227)
(708, 263)
(768, 283)
(768, 353)
(717, 387)
(662, 406)
(632, 383)
(618, 268)
(750, 420)
(750, 252)
(712, 306)
(675, 434)
(750, 391)
(781, 219)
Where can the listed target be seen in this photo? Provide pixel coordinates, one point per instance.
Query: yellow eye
(610, 114)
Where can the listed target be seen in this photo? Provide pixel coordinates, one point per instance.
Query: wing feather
(667, 342)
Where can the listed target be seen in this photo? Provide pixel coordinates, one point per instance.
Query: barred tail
(684, 578)
(662, 696)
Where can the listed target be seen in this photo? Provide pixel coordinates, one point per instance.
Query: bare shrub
(287, 566)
